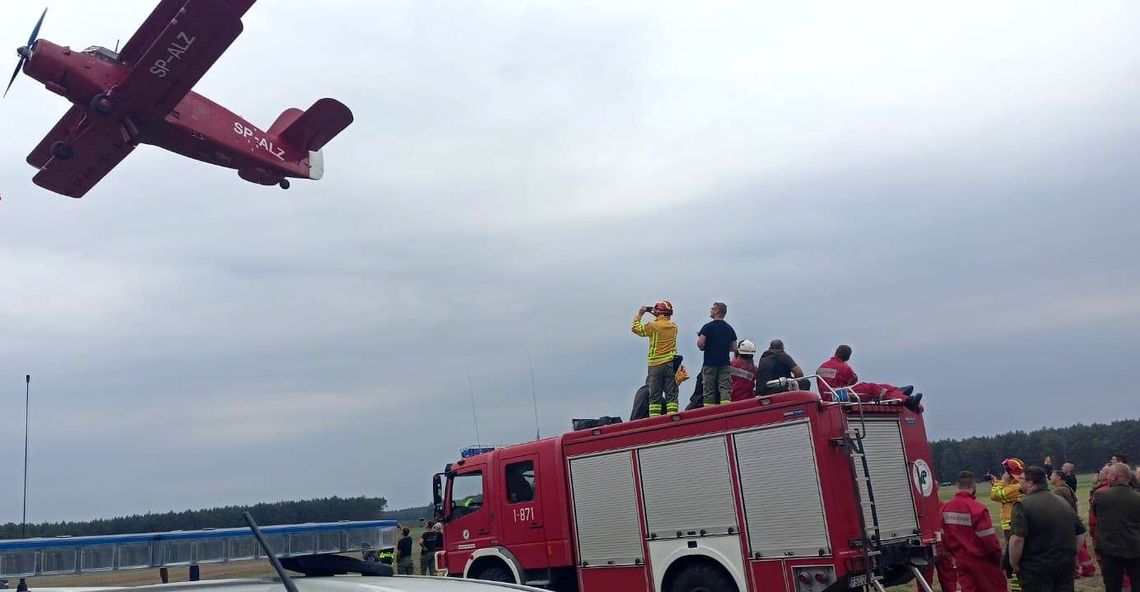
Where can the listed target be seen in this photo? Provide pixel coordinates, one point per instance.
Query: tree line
(410, 515)
(1086, 446)
(326, 509)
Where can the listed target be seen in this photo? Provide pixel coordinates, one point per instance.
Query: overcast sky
(949, 189)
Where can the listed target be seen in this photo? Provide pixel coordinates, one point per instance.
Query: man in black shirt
(776, 363)
(404, 554)
(429, 544)
(717, 339)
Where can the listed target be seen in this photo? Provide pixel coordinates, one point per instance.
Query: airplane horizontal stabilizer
(317, 125)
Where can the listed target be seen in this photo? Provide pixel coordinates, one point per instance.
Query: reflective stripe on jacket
(743, 379)
(836, 373)
(969, 531)
(662, 334)
(1006, 494)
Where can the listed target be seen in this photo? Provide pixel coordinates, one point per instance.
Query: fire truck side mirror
(437, 497)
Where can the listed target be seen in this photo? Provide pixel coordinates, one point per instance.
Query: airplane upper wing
(99, 145)
(179, 42)
(157, 22)
(42, 153)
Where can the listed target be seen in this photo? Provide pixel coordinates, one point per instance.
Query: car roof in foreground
(311, 584)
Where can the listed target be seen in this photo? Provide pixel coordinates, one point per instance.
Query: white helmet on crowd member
(746, 348)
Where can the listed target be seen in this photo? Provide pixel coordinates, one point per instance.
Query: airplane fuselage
(196, 127)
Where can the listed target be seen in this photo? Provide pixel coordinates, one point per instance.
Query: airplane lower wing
(97, 147)
(179, 54)
(70, 121)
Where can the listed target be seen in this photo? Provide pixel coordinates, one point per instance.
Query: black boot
(906, 390)
(912, 402)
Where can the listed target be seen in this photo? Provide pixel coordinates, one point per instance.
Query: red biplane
(141, 95)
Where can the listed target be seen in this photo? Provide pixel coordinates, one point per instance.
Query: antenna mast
(24, 520)
(533, 395)
(471, 385)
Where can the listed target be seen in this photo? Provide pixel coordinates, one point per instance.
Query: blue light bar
(470, 451)
(88, 554)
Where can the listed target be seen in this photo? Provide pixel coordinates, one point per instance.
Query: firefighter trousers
(1085, 566)
(979, 575)
(662, 383)
(947, 571)
(870, 391)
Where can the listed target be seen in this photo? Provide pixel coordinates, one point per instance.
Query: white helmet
(746, 348)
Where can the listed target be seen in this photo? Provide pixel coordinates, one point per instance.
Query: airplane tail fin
(284, 120)
(313, 128)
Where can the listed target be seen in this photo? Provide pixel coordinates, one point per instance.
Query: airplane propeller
(25, 52)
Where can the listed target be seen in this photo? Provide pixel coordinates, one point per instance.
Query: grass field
(242, 569)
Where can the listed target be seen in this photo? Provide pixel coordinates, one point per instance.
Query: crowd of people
(731, 370)
(401, 555)
(1046, 541)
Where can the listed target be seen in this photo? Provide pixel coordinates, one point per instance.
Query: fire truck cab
(784, 493)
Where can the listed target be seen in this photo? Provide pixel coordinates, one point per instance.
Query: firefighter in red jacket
(743, 372)
(971, 540)
(836, 373)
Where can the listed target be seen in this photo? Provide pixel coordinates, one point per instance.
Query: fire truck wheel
(703, 577)
(495, 573)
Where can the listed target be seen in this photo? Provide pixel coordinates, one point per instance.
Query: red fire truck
(784, 493)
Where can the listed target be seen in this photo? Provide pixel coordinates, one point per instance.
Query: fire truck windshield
(465, 494)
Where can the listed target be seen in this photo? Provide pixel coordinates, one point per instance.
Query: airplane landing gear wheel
(284, 183)
(102, 104)
(62, 151)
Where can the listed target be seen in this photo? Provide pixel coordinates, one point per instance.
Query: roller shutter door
(605, 510)
(780, 486)
(687, 488)
(890, 478)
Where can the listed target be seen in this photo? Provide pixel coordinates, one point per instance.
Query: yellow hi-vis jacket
(1006, 493)
(662, 334)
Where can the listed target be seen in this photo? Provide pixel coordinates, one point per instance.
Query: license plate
(857, 581)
